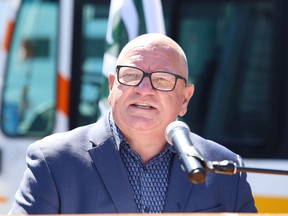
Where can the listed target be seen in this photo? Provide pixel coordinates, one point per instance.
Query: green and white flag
(128, 19)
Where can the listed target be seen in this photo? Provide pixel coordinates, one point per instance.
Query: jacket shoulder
(212, 150)
(77, 140)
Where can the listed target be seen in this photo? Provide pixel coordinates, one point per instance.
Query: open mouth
(143, 106)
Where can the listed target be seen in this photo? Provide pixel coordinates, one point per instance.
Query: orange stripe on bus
(63, 96)
(8, 36)
(3, 199)
(271, 204)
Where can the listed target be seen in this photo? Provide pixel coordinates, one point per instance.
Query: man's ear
(111, 79)
(188, 93)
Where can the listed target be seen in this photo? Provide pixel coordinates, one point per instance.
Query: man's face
(142, 107)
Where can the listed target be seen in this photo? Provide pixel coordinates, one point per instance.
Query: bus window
(28, 98)
(230, 49)
(90, 32)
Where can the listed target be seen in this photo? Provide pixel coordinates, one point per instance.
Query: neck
(146, 147)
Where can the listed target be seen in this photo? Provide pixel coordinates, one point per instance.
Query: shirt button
(146, 209)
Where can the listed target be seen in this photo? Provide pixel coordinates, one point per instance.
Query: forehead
(153, 57)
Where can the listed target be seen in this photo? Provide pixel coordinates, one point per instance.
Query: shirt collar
(118, 136)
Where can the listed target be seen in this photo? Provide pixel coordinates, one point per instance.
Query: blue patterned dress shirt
(149, 181)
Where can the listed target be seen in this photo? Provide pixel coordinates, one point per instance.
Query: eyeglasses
(160, 80)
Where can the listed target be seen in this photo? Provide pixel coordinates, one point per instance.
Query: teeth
(143, 105)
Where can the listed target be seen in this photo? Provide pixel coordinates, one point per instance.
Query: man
(122, 163)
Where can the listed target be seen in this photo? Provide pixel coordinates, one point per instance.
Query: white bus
(51, 73)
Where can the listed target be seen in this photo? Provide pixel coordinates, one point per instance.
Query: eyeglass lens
(160, 80)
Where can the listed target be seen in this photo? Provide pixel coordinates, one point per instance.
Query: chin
(142, 123)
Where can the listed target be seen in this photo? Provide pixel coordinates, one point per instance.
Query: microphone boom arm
(229, 168)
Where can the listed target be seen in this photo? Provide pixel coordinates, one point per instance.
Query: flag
(128, 19)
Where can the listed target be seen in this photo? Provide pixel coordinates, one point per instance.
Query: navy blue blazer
(81, 171)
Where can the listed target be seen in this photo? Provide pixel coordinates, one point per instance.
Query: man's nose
(145, 85)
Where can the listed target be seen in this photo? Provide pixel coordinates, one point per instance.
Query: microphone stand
(230, 168)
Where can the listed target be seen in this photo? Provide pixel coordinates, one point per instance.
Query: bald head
(155, 42)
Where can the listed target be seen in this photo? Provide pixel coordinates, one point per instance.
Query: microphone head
(172, 127)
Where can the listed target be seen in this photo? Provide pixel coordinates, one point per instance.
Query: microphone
(178, 134)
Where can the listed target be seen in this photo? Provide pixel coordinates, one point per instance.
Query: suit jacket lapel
(179, 188)
(113, 174)
(108, 162)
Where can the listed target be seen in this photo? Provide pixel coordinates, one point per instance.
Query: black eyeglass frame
(146, 74)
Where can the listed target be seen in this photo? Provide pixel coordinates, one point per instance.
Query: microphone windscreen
(172, 127)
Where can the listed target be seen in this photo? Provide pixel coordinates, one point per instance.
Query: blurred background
(52, 77)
